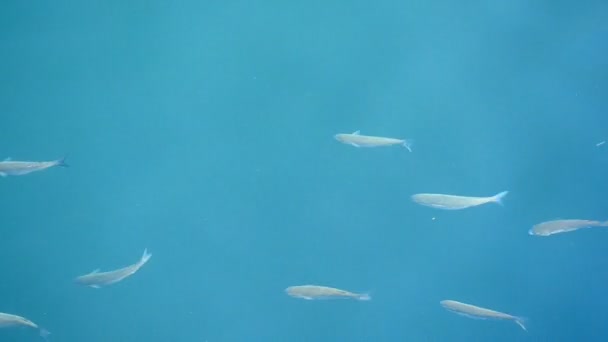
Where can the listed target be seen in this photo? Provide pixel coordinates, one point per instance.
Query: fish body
(563, 226)
(19, 168)
(358, 140)
(452, 202)
(315, 292)
(10, 320)
(477, 312)
(98, 279)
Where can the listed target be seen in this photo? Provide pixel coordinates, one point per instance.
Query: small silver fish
(477, 312)
(452, 202)
(18, 168)
(9, 320)
(563, 226)
(315, 292)
(98, 279)
(358, 140)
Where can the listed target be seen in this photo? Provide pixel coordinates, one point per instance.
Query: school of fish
(97, 279)
(94, 279)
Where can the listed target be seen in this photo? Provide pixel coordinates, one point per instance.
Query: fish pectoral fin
(355, 145)
(3, 174)
(357, 132)
(95, 271)
(95, 286)
(8, 159)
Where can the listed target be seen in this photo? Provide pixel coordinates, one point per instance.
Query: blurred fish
(358, 140)
(98, 279)
(451, 202)
(18, 168)
(563, 226)
(8, 320)
(473, 311)
(310, 292)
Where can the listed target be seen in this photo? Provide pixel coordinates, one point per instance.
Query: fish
(315, 292)
(477, 312)
(10, 320)
(98, 279)
(357, 140)
(9, 167)
(452, 202)
(563, 226)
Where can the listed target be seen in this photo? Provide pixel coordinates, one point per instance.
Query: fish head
(537, 231)
(446, 302)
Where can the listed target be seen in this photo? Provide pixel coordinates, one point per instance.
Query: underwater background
(203, 131)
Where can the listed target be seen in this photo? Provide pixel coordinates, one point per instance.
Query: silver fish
(563, 226)
(311, 292)
(9, 320)
(358, 140)
(18, 168)
(473, 311)
(452, 202)
(98, 279)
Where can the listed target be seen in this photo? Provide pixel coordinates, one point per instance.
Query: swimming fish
(18, 168)
(451, 202)
(314, 292)
(477, 312)
(358, 140)
(98, 279)
(563, 226)
(9, 320)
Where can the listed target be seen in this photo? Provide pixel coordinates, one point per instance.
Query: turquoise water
(203, 131)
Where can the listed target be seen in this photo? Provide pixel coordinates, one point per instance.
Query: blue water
(203, 131)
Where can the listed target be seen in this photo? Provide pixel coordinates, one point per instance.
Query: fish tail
(521, 322)
(364, 297)
(145, 257)
(499, 197)
(407, 143)
(61, 162)
(44, 334)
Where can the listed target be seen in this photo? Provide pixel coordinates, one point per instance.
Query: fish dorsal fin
(8, 159)
(95, 271)
(356, 132)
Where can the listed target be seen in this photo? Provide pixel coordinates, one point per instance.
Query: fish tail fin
(61, 162)
(521, 321)
(366, 296)
(44, 334)
(407, 143)
(499, 197)
(145, 257)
